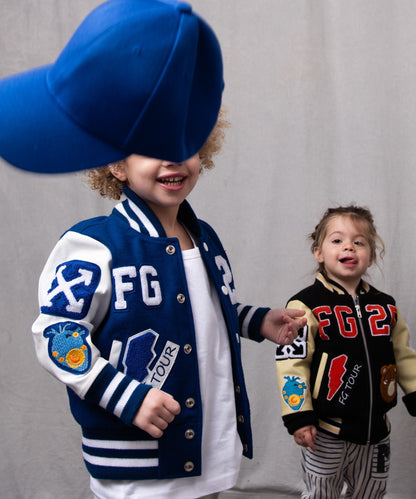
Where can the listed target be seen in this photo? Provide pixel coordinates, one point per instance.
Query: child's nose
(170, 163)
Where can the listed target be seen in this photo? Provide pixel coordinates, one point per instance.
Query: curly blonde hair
(359, 215)
(108, 186)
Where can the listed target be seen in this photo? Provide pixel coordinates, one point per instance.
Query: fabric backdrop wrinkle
(321, 99)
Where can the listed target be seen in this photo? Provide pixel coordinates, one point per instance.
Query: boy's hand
(281, 325)
(306, 437)
(156, 412)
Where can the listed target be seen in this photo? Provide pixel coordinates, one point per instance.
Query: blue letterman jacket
(115, 319)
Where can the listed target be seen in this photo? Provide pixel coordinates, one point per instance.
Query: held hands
(156, 412)
(281, 325)
(306, 437)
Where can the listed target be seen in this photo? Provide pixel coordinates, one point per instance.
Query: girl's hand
(156, 412)
(306, 437)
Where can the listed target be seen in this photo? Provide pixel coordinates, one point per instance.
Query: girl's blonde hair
(103, 180)
(360, 216)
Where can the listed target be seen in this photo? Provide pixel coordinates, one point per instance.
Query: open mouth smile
(174, 181)
(349, 260)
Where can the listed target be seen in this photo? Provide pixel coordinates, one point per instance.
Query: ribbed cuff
(295, 421)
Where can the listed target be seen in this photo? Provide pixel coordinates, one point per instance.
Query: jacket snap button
(189, 466)
(187, 349)
(190, 403)
(189, 434)
(181, 298)
(224, 290)
(240, 419)
(237, 389)
(170, 250)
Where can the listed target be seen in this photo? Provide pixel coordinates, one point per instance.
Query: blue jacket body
(116, 319)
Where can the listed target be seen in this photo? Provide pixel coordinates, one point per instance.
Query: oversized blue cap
(137, 76)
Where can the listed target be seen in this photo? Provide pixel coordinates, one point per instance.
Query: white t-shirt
(221, 444)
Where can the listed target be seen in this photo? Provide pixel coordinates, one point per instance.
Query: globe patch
(292, 392)
(67, 346)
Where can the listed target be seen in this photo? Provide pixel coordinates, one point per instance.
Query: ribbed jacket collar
(334, 287)
(142, 218)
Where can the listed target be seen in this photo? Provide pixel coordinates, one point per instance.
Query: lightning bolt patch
(335, 376)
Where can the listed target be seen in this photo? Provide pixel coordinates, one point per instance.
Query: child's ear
(119, 171)
(318, 255)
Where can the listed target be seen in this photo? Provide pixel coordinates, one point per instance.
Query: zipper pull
(357, 307)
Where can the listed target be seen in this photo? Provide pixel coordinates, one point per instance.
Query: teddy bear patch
(388, 382)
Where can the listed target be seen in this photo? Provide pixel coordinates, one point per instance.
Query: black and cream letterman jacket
(116, 320)
(341, 373)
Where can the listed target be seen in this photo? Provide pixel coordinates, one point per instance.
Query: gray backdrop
(321, 96)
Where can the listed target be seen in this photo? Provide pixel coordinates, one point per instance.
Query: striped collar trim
(137, 218)
(141, 217)
(363, 288)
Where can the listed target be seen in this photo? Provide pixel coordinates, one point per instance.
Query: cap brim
(36, 135)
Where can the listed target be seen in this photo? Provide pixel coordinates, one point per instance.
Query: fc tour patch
(342, 379)
(293, 392)
(141, 362)
(72, 289)
(67, 346)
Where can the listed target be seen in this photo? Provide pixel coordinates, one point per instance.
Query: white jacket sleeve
(74, 296)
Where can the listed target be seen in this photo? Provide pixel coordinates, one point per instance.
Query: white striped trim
(121, 462)
(142, 217)
(116, 347)
(111, 388)
(121, 444)
(121, 404)
(133, 224)
(247, 320)
(329, 427)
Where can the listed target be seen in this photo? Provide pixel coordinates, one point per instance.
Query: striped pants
(363, 468)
